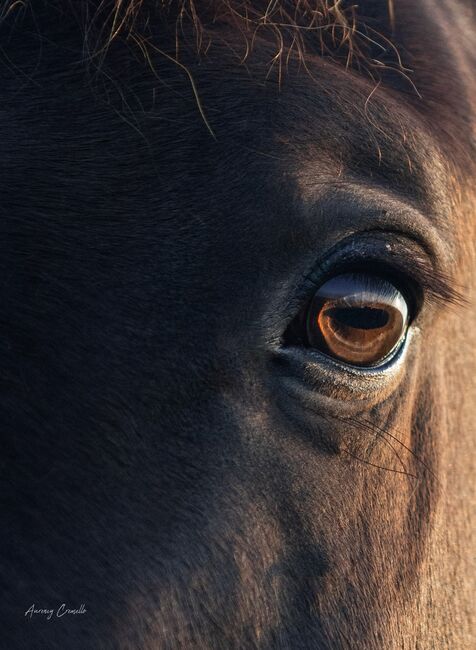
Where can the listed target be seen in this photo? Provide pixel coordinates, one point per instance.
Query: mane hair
(343, 30)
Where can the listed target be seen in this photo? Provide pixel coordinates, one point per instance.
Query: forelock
(353, 34)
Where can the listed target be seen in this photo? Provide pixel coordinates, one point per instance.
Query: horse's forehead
(402, 115)
(413, 123)
(328, 126)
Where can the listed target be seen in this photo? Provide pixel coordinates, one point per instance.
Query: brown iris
(358, 318)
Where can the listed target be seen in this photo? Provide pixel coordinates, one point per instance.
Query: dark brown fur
(173, 178)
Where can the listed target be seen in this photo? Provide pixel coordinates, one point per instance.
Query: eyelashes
(357, 305)
(437, 286)
(399, 259)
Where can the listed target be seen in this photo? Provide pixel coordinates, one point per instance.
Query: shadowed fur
(170, 458)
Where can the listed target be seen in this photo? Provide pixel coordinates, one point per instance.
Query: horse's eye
(358, 318)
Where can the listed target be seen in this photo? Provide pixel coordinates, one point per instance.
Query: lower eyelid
(309, 374)
(362, 371)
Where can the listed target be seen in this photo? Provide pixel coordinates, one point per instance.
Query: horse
(237, 351)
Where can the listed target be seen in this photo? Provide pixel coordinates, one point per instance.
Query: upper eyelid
(332, 209)
(375, 208)
(345, 254)
(417, 269)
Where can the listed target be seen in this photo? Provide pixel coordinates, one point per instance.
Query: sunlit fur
(165, 205)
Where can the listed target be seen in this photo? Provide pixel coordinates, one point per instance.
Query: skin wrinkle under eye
(335, 387)
(322, 385)
(311, 376)
(156, 383)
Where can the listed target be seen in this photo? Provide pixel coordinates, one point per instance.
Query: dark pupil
(363, 318)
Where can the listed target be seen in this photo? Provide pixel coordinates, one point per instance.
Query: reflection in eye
(358, 318)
